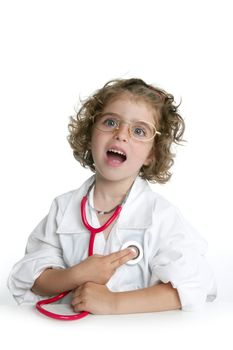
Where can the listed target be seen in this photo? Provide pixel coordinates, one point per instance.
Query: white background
(53, 52)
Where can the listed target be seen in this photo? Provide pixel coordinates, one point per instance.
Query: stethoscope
(93, 231)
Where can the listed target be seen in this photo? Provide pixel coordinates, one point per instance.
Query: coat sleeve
(180, 260)
(43, 251)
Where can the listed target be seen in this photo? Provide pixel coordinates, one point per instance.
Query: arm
(54, 281)
(98, 299)
(96, 268)
(161, 297)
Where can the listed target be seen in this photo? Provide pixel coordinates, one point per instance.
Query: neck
(111, 192)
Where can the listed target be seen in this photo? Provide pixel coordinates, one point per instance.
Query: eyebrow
(119, 116)
(111, 113)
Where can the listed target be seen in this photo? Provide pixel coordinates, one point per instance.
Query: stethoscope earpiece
(137, 247)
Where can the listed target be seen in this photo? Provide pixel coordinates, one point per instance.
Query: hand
(94, 298)
(99, 269)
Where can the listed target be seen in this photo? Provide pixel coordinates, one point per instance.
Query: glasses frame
(129, 128)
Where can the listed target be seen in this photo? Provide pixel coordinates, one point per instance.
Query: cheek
(98, 142)
(144, 156)
(94, 140)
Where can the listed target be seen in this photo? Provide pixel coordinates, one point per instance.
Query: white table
(23, 327)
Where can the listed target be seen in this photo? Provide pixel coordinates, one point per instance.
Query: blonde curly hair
(171, 125)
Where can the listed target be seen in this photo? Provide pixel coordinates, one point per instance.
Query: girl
(148, 258)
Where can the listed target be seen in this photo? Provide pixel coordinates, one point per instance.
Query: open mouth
(116, 155)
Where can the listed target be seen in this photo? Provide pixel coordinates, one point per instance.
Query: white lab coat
(173, 250)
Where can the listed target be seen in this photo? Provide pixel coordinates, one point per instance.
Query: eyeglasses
(139, 130)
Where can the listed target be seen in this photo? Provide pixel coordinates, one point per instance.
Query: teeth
(116, 151)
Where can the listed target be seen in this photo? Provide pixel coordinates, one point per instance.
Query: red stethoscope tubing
(93, 232)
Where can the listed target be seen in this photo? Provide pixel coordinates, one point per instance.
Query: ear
(147, 162)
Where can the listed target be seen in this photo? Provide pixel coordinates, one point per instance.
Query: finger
(118, 255)
(79, 307)
(77, 292)
(124, 259)
(75, 301)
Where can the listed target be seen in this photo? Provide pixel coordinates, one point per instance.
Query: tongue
(115, 157)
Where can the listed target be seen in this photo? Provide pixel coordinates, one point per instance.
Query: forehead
(131, 108)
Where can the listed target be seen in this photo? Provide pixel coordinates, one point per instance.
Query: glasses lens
(106, 123)
(142, 131)
(139, 130)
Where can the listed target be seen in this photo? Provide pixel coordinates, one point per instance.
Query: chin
(116, 176)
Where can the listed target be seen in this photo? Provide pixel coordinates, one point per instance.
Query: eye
(142, 130)
(139, 132)
(110, 122)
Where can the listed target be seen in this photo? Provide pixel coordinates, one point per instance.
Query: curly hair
(171, 125)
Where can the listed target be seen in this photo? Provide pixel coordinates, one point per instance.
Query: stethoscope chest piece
(135, 246)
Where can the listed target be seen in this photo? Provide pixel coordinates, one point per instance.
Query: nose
(122, 133)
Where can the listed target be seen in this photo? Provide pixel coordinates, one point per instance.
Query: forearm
(95, 268)
(55, 281)
(161, 297)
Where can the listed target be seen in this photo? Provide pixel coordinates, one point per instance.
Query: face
(118, 156)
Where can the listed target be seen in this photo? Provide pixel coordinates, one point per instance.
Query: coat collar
(138, 202)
